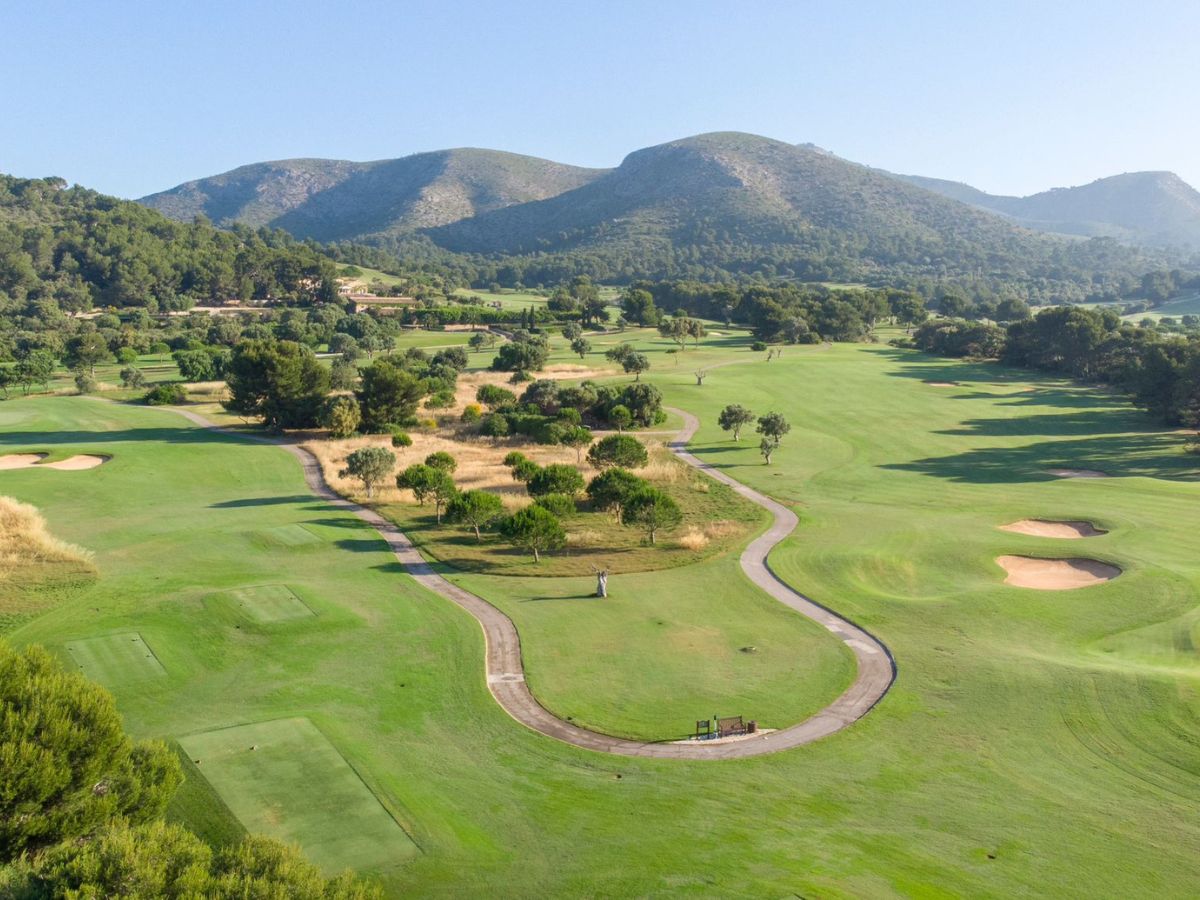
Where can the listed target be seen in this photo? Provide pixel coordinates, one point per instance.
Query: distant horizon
(132, 100)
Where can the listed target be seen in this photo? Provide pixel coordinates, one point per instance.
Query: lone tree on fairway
(637, 363)
(535, 529)
(652, 511)
(66, 764)
(370, 465)
(772, 427)
(582, 346)
(734, 418)
(612, 488)
(618, 450)
(476, 509)
(556, 478)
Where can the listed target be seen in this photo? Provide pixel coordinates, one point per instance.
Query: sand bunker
(1077, 473)
(942, 383)
(1055, 574)
(21, 460)
(1053, 529)
(73, 464)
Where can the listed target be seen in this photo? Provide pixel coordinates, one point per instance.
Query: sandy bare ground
(1055, 574)
(1053, 529)
(1077, 473)
(21, 460)
(76, 463)
(73, 464)
(942, 383)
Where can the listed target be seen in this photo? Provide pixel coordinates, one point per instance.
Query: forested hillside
(67, 250)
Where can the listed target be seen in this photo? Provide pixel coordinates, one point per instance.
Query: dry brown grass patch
(25, 541)
(693, 539)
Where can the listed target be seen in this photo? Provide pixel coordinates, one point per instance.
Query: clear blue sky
(131, 98)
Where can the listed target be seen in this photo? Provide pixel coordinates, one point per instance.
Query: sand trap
(1055, 574)
(21, 460)
(73, 464)
(1052, 529)
(942, 383)
(1077, 473)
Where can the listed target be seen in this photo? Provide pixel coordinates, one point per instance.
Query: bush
(760, 346)
(525, 471)
(514, 458)
(132, 377)
(341, 416)
(520, 377)
(558, 504)
(166, 394)
(401, 438)
(472, 412)
(85, 383)
(495, 397)
(494, 425)
(440, 400)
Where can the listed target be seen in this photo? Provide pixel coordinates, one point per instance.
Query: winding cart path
(505, 672)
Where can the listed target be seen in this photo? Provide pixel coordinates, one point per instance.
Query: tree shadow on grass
(1089, 422)
(1147, 455)
(363, 545)
(249, 502)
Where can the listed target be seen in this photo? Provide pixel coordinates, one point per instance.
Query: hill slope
(739, 199)
(330, 200)
(1152, 208)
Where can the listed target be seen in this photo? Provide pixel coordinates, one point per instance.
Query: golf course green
(1034, 742)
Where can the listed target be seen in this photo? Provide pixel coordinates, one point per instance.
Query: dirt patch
(1077, 473)
(1055, 574)
(1054, 529)
(942, 383)
(21, 460)
(76, 463)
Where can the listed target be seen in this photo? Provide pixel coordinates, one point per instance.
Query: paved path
(506, 674)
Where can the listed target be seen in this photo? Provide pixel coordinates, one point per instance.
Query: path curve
(505, 671)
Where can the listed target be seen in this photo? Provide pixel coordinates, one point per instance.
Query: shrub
(511, 459)
(472, 412)
(132, 377)
(759, 346)
(494, 425)
(166, 394)
(401, 438)
(85, 383)
(525, 470)
(440, 400)
(558, 504)
(495, 397)
(442, 461)
(341, 416)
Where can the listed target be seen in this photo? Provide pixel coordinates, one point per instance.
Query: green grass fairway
(115, 659)
(286, 536)
(269, 603)
(296, 787)
(1036, 743)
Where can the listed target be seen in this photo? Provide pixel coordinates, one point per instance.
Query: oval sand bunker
(75, 463)
(20, 460)
(1053, 529)
(1055, 574)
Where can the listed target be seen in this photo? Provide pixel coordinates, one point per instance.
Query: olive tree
(733, 418)
(370, 465)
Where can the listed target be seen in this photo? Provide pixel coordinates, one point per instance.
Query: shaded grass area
(284, 779)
